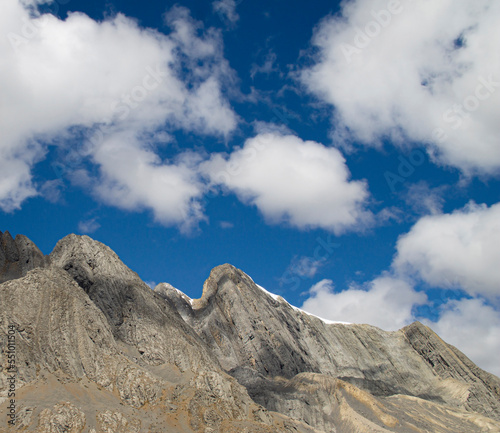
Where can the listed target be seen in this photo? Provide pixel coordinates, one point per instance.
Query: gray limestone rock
(258, 337)
(18, 256)
(98, 351)
(451, 364)
(136, 314)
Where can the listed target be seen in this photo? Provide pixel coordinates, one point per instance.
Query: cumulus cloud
(458, 249)
(386, 302)
(135, 178)
(414, 71)
(474, 327)
(302, 183)
(15, 180)
(107, 79)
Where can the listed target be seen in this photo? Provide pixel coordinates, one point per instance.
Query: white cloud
(302, 183)
(305, 267)
(473, 327)
(227, 10)
(457, 249)
(386, 302)
(112, 77)
(424, 199)
(268, 67)
(51, 190)
(134, 178)
(404, 69)
(88, 226)
(15, 180)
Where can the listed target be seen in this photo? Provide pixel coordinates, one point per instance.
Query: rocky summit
(88, 347)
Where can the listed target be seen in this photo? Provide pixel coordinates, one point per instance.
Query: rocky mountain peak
(18, 256)
(224, 280)
(260, 339)
(237, 359)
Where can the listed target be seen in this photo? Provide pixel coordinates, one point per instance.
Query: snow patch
(272, 295)
(281, 299)
(182, 294)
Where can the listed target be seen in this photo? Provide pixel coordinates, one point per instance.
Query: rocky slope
(267, 344)
(18, 256)
(98, 351)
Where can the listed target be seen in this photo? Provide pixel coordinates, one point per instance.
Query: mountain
(18, 257)
(97, 350)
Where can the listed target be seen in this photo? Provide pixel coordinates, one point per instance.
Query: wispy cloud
(424, 199)
(226, 10)
(88, 226)
(305, 267)
(268, 67)
(226, 225)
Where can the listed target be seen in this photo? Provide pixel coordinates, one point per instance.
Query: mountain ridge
(237, 359)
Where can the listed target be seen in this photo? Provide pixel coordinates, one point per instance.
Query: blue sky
(345, 156)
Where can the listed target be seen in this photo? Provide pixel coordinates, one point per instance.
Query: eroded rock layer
(97, 350)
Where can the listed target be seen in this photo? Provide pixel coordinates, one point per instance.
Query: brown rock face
(97, 351)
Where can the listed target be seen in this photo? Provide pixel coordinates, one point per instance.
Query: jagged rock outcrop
(260, 338)
(18, 256)
(452, 365)
(153, 329)
(98, 351)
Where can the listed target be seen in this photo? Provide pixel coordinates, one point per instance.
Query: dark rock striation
(98, 351)
(263, 341)
(18, 256)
